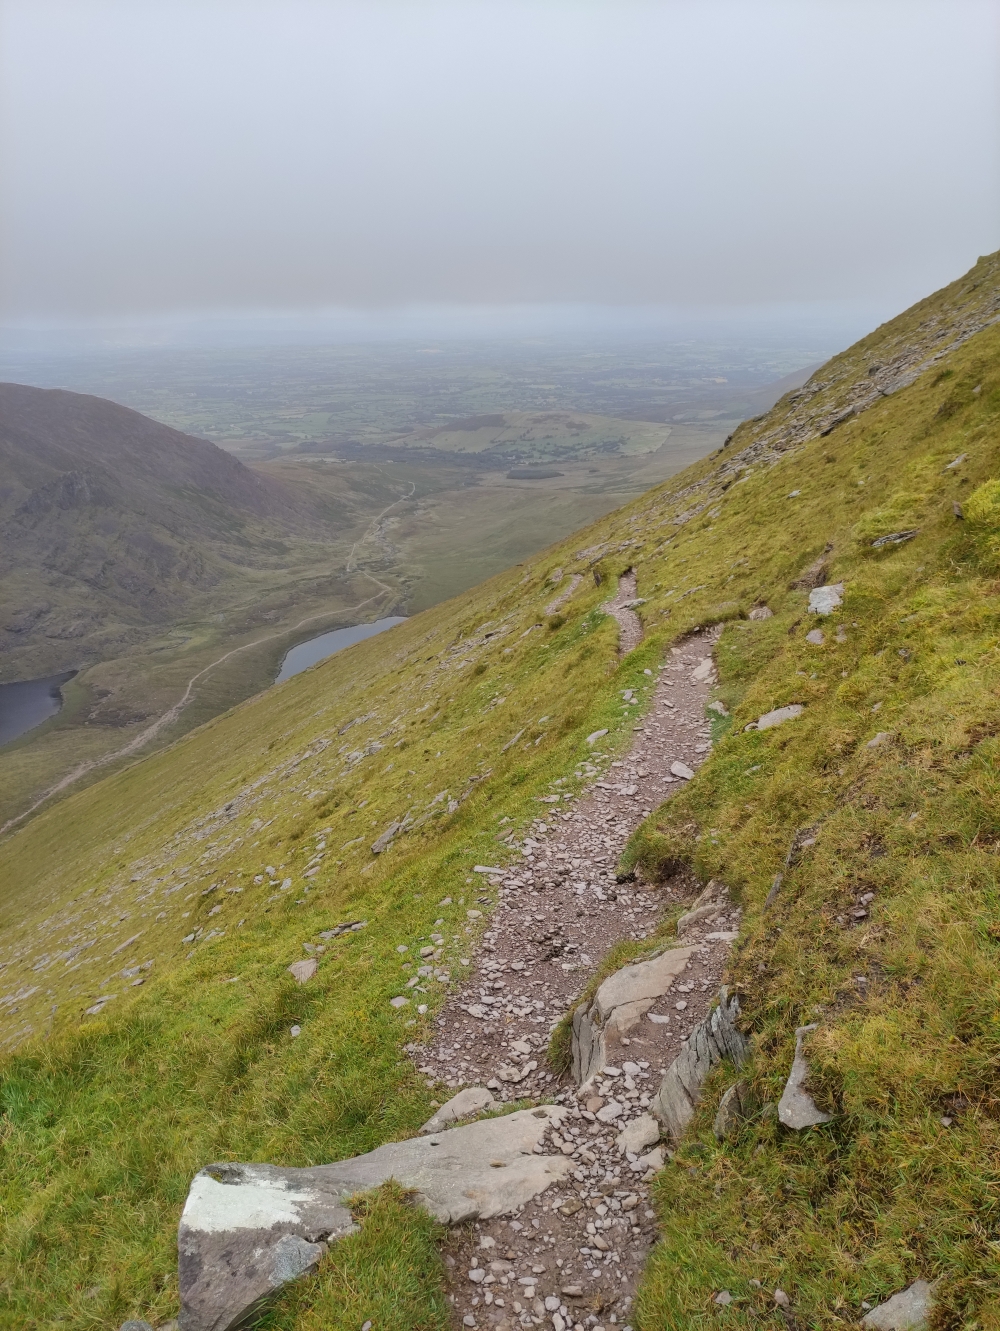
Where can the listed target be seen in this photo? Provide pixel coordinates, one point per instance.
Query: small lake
(28, 702)
(317, 649)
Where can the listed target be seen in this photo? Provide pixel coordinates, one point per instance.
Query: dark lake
(28, 702)
(317, 649)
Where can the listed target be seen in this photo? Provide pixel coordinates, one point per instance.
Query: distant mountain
(107, 516)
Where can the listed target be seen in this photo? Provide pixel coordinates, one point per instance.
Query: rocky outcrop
(716, 1038)
(617, 1008)
(246, 1230)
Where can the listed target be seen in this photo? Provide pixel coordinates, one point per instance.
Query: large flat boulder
(618, 1007)
(247, 1229)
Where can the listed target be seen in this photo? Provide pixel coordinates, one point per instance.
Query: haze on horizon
(254, 155)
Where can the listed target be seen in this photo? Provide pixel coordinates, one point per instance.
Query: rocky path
(622, 609)
(572, 1257)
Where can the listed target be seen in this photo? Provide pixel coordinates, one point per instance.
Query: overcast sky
(159, 155)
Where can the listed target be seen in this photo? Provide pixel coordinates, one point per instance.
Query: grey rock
(824, 600)
(247, 1229)
(712, 1040)
(882, 737)
(909, 1310)
(761, 612)
(617, 1008)
(895, 538)
(718, 706)
(731, 1112)
(304, 970)
(135, 1324)
(815, 636)
(385, 840)
(705, 669)
(597, 734)
(682, 770)
(796, 1108)
(709, 902)
(471, 1101)
(636, 1136)
(653, 1162)
(779, 716)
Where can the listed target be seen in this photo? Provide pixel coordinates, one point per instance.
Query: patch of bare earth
(572, 1257)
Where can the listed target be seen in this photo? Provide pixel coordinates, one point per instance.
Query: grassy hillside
(204, 871)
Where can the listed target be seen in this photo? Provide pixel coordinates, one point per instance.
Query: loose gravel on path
(572, 1257)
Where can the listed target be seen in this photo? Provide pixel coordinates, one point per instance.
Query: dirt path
(372, 527)
(622, 609)
(144, 737)
(564, 595)
(572, 1257)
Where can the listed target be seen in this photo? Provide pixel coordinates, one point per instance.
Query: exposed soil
(573, 1256)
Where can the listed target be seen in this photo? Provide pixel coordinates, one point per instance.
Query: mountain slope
(454, 725)
(109, 521)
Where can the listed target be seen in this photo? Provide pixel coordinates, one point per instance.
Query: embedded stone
(908, 1310)
(711, 1041)
(304, 970)
(731, 1111)
(636, 1136)
(824, 600)
(796, 1108)
(618, 1006)
(779, 716)
(710, 901)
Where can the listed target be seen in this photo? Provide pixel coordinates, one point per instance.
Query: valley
(326, 527)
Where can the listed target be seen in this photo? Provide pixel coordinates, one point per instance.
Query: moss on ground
(105, 1121)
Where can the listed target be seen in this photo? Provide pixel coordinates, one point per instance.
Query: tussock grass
(105, 1120)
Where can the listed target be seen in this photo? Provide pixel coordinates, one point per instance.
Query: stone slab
(796, 1108)
(779, 716)
(304, 970)
(645, 979)
(247, 1229)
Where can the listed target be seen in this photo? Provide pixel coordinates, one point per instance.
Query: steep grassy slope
(459, 721)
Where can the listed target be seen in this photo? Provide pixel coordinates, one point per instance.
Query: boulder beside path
(247, 1229)
(712, 1040)
(617, 1008)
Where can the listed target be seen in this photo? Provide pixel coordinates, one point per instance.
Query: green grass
(105, 1121)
